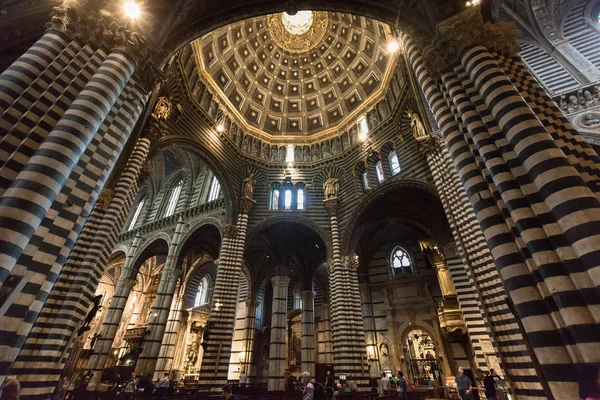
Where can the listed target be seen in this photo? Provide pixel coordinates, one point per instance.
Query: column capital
(308, 293)
(430, 144)
(351, 262)
(462, 31)
(252, 303)
(331, 205)
(105, 198)
(230, 230)
(280, 281)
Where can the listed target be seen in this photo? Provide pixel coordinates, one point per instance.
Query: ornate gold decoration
(298, 43)
(431, 144)
(416, 125)
(351, 262)
(105, 198)
(331, 187)
(465, 30)
(163, 109)
(450, 318)
(331, 205)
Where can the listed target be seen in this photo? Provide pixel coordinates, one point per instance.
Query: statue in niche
(248, 187)
(274, 153)
(383, 109)
(256, 148)
(282, 154)
(325, 149)
(233, 133)
(345, 141)
(336, 146)
(265, 152)
(298, 154)
(331, 187)
(240, 139)
(205, 103)
(395, 88)
(416, 125)
(384, 350)
(163, 108)
(400, 77)
(391, 99)
(353, 134)
(213, 109)
(306, 151)
(316, 152)
(373, 119)
(247, 144)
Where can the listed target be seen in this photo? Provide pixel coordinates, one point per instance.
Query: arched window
(173, 198)
(275, 199)
(201, 293)
(394, 163)
(287, 201)
(136, 214)
(215, 189)
(300, 199)
(379, 170)
(400, 261)
(365, 180)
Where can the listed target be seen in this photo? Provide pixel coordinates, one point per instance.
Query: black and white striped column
(113, 316)
(248, 337)
(369, 324)
(166, 355)
(308, 332)
(161, 308)
(277, 348)
(29, 197)
(216, 357)
(348, 333)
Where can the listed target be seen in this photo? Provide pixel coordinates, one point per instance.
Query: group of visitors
(143, 387)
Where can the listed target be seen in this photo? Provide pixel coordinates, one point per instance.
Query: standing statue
(163, 108)
(416, 125)
(248, 187)
(90, 315)
(331, 187)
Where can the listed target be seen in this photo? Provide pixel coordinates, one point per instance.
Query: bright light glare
(393, 46)
(220, 128)
(362, 136)
(299, 23)
(132, 9)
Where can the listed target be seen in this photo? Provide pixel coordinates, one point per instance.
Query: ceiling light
(220, 128)
(132, 9)
(393, 46)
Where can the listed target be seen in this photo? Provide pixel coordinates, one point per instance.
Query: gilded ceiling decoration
(256, 69)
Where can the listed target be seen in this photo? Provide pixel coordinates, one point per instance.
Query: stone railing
(212, 207)
(579, 100)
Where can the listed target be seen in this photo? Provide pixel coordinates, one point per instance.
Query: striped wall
(580, 34)
(549, 72)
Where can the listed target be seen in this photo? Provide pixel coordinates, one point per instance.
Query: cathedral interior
(210, 189)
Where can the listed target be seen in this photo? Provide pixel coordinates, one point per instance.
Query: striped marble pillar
(370, 331)
(248, 337)
(478, 270)
(218, 341)
(308, 332)
(162, 305)
(348, 333)
(29, 197)
(277, 349)
(113, 315)
(166, 354)
(17, 78)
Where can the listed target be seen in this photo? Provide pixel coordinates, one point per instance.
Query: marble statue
(373, 119)
(274, 153)
(384, 110)
(248, 187)
(265, 152)
(306, 154)
(331, 188)
(325, 150)
(416, 125)
(336, 146)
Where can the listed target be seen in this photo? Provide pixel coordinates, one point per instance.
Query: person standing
(490, 386)
(130, 386)
(11, 388)
(329, 384)
(463, 384)
(373, 384)
(308, 391)
(385, 384)
(227, 393)
(402, 387)
(243, 380)
(162, 387)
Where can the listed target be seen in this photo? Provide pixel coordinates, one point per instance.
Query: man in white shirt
(385, 383)
(243, 380)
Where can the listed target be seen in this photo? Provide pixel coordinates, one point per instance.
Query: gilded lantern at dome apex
(299, 33)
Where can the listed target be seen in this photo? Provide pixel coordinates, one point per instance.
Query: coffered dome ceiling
(308, 74)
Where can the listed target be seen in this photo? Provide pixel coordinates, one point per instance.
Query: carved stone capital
(351, 262)
(144, 173)
(105, 198)
(230, 230)
(330, 264)
(430, 144)
(331, 205)
(462, 31)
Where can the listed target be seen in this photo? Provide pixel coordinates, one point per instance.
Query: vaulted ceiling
(282, 81)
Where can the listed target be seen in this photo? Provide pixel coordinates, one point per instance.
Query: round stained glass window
(299, 23)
